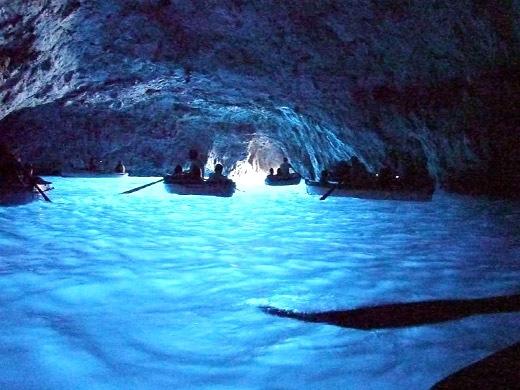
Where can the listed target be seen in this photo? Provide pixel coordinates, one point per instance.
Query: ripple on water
(156, 290)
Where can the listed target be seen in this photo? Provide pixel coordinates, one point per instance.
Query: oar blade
(326, 194)
(42, 193)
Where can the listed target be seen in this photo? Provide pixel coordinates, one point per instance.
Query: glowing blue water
(149, 290)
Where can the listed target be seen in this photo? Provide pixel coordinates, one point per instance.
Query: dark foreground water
(153, 290)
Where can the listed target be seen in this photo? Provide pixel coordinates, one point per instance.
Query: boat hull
(204, 188)
(293, 179)
(315, 188)
(94, 175)
(20, 195)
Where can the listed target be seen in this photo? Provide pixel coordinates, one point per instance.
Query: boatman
(11, 170)
(194, 167)
(120, 168)
(284, 167)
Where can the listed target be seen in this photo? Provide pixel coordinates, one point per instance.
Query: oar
(141, 187)
(326, 194)
(41, 192)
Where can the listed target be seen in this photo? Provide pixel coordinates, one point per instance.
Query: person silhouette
(285, 167)
(194, 167)
(120, 168)
(217, 176)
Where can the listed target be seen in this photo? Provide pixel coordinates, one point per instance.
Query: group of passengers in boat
(283, 172)
(15, 174)
(94, 166)
(409, 173)
(398, 171)
(193, 171)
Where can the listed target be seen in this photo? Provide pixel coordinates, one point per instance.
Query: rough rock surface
(247, 82)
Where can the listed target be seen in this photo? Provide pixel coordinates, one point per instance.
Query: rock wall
(251, 81)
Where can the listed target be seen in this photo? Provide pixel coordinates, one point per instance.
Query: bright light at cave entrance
(247, 175)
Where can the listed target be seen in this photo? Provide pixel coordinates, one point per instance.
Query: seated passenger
(217, 176)
(385, 177)
(324, 177)
(28, 174)
(30, 178)
(177, 171)
(120, 168)
(11, 171)
(285, 166)
(340, 172)
(359, 174)
(194, 174)
(417, 177)
(194, 167)
(92, 165)
(279, 173)
(271, 173)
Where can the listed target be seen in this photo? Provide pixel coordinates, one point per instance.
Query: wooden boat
(500, 370)
(420, 195)
(19, 195)
(188, 186)
(274, 180)
(86, 174)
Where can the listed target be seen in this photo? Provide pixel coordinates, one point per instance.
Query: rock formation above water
(247, 82)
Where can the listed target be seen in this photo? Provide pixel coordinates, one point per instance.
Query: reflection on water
(151, 289)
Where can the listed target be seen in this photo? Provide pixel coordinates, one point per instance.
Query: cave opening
(248, 161)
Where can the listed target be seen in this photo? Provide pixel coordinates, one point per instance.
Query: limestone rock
(247, 82)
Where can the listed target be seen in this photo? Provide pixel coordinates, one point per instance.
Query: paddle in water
(330, 191)
(41, 192)
(141, 187)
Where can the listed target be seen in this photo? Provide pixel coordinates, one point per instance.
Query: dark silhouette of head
(285, 159)
(279, 171)
(193, 154)
(178, 169)
(219, 168)
(271, 171)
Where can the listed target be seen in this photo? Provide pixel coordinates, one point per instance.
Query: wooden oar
(41, 192)
(326, 194)
(141, 187)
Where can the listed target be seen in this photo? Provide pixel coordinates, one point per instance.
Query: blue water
(154, 290)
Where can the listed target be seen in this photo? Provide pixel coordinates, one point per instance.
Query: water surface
(149, 290)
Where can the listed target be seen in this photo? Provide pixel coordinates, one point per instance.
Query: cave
(247, 84)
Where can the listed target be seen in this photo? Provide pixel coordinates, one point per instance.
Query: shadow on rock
(405, 314)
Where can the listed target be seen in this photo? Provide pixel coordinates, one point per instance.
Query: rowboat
(419, 195)
(19, 195)
(93, 174)
(274, 180)
(189, 186)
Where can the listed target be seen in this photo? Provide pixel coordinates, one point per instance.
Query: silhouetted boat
(183, 186)
(18, 195)
(274, 180)
(500, 370)
(93, 174)
(317, 188)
